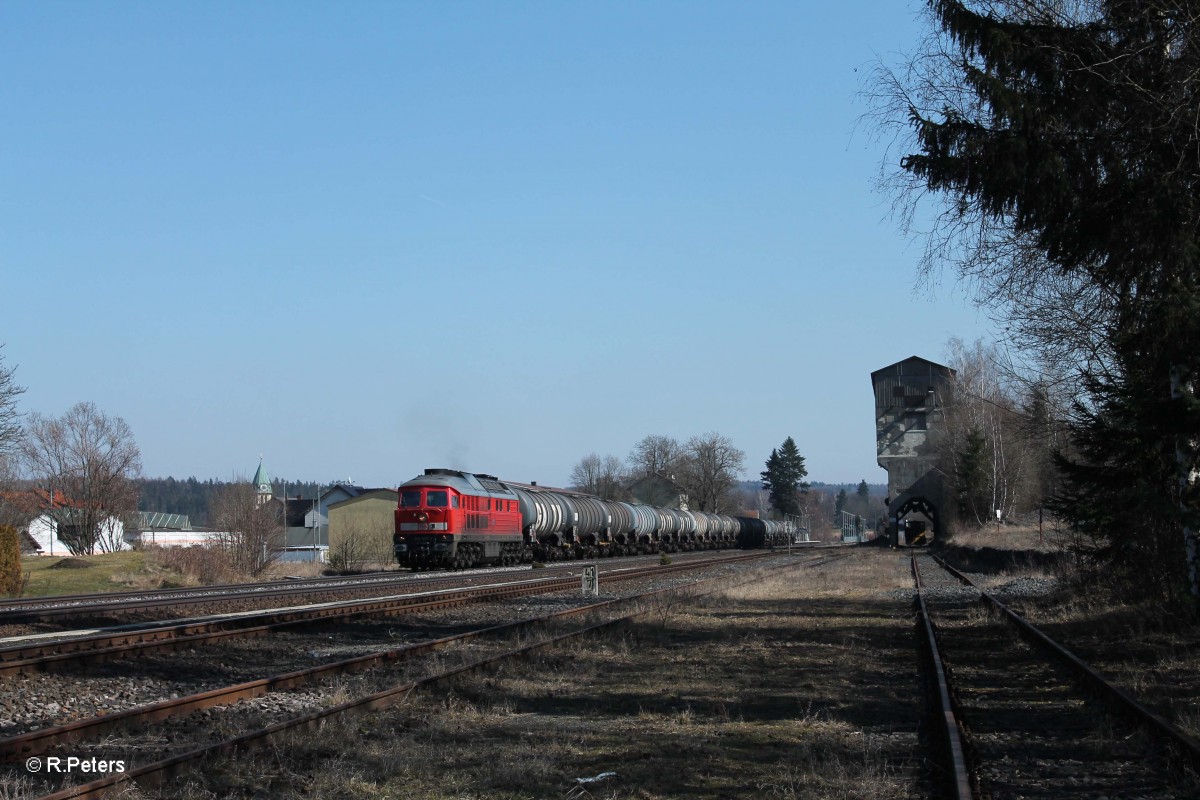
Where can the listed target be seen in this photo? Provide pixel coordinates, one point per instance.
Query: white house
(43, 530)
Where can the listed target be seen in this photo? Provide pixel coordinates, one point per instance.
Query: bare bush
(358, 544)
(10, 562)
(195, 564)
(250, 532)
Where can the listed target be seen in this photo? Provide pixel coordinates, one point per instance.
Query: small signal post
(591, 581)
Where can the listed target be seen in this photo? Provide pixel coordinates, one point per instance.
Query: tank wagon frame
(452, 519)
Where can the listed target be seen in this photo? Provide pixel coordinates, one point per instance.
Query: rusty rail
(958, 776)
(1184, 745)
(43, 656)
(48, 609)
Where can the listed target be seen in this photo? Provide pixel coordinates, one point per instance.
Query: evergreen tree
(1130, 524)
(1064, 138)
(863, 492)
(784, 477)
(970, 482)
(840, 504)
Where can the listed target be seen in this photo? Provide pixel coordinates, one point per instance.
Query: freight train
(452, 519)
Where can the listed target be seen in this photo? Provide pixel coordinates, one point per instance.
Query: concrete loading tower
(909, 399)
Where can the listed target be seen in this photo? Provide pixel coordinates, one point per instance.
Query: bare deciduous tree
(10, 439)
(10, 419)
(251, 533)
(995, 445)
(603, 476)
(92, 460)
(655, 455)
(711, 468)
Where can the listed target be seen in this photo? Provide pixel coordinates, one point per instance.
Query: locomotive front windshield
(434, 498)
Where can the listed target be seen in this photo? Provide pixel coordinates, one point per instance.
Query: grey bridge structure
(910, 398)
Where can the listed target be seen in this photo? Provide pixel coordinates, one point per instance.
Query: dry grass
(149, 568)
(15, 788)
(761, 693)
(1024, 538)
(864, 574)
(293, 569)
(108, 572)
(192, 566)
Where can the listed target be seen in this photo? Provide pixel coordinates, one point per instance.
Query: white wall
(44, 531)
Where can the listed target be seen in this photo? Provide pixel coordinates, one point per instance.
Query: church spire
(262, 484)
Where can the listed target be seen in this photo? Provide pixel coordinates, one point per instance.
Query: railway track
(161, 603)
(34, 654)
(315, 689)
(1019, 716)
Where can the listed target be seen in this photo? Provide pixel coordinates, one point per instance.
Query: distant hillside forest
(192, 497)
(876, 489)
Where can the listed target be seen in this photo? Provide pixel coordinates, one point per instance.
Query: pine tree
(1063, 138)
(970, 481)
(784, 477)
(1119, 490)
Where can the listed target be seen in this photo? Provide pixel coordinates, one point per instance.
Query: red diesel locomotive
(457, 519)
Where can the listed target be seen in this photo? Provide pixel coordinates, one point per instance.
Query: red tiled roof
(35, 500)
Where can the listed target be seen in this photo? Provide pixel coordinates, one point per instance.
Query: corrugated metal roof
(160, 520)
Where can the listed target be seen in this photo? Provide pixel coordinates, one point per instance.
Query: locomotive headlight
(422, 517)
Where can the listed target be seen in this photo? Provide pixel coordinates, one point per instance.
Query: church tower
(262, 485)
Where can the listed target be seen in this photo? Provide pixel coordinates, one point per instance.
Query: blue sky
(366, 238)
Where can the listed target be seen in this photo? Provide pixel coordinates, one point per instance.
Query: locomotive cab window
(454, 501)
(410, 499)
(437, 498)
